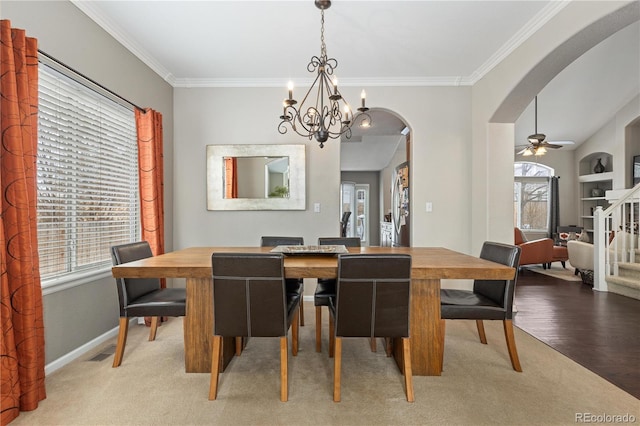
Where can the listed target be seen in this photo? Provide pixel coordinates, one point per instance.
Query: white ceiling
(267, 43)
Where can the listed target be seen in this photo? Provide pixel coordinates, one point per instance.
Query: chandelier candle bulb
(363, 96)
(290, 85)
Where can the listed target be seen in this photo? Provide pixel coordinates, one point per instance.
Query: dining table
(430, 265)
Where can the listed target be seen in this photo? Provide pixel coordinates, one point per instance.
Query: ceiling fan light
(527, 152)
(541, 150)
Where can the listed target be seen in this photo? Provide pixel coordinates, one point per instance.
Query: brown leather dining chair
(294, 285)
(250, 300)
(142, 297)
(489, 299)
(372, 300)
(326, 287)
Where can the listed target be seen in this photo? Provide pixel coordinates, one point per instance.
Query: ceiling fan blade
(521, 151)
(550, 145)
(562, 142)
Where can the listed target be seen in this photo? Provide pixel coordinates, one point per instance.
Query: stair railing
(621, 216)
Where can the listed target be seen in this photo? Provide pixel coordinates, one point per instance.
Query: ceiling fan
(537, 142)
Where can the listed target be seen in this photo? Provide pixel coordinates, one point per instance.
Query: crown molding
(344, 82)
(538, 21)
(534, 24)
(88, 8)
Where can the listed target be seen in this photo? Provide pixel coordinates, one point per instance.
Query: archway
(503, 94)
(367, 163)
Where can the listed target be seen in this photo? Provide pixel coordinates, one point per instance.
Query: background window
(87, 176)
(531, 196)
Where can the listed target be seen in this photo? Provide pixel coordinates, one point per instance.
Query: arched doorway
(367, 165)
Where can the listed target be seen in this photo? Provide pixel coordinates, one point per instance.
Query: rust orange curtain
(151, 175)
(22, 338)
(231, 177)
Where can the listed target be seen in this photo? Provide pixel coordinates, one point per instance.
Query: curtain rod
(57, 61)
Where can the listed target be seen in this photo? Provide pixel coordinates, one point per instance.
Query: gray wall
(77, 315)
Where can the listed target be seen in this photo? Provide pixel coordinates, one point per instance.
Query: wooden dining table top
(427, 263)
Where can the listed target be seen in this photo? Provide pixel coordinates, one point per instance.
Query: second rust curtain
(151, 177)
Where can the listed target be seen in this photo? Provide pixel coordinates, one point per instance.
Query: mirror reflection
(256, 177)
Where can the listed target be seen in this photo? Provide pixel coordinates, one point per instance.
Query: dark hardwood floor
(600, 331)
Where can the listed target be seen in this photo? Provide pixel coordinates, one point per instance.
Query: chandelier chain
(323, 46)
(323, 119)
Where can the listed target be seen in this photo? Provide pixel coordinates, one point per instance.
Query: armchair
(534, 252)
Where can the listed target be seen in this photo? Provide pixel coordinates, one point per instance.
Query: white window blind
(87, 176)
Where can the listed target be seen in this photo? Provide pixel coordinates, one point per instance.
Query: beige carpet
(478, 386)
(556, 271)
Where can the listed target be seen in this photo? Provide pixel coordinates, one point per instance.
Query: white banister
(621, 217)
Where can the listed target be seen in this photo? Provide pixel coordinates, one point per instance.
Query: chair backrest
(499, 291)
(518, 236)
(339, 241)
(270, 241)
(249, 296)
(130, 289)
(373, 294)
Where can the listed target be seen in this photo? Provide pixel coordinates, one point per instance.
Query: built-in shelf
(596, 177)
(588, 181)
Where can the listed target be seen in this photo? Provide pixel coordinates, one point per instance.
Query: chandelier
(325, 118)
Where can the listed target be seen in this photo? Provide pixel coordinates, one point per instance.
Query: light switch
(429, 206)
(316, 207)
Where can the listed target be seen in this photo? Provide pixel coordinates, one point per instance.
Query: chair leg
(215, 367)
(337, 365)
(388, 346)
(295, 332)
(372, 343)
(284, 377)
(511, 345)
(564, 264)
(122, 341)
(408, 375)
(483, 336)
(318, 328)
(302, 310)
(154, 328)
(238, 346)
(332, 337)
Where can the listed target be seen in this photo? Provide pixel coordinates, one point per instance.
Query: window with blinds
(87, 176)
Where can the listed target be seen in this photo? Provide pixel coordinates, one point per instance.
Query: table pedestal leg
(198, 328)
(427, 339)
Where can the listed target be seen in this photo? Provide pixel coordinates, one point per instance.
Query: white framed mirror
(256, 177)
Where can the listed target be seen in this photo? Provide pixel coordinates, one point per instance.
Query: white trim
(537, 22)
(345, 82)
(81, 350)
(123, 38)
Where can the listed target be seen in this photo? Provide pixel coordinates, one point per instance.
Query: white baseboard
(78, 352)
